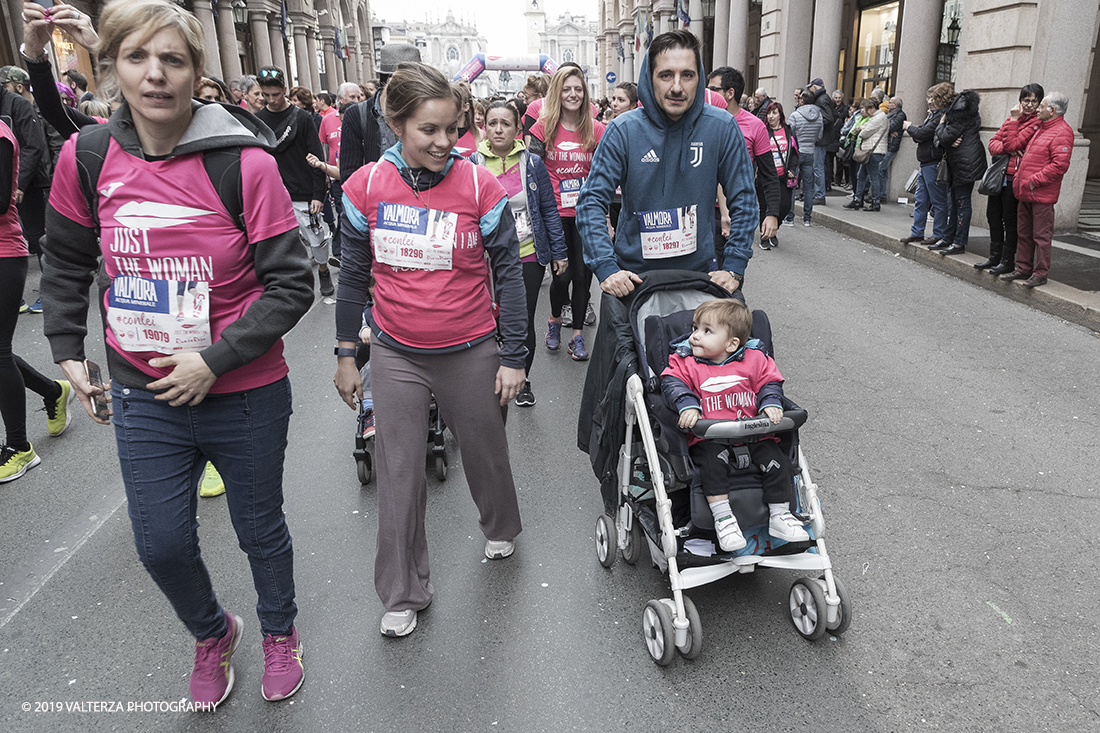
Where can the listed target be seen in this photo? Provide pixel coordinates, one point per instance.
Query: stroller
(646, 476)
(364, 460)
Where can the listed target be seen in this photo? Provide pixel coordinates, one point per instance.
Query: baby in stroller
(719, 373)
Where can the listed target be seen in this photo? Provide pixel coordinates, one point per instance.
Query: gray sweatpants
(463, 383)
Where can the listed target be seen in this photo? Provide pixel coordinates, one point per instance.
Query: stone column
(301, 56)
(227, 42)
(784, 46)
(278, 51)
(332, 61)
(314, 68)
(737, 54)
(695, 11)
(917, 49)
(721, 33)
(210, 37)
(825, 56)
(261, 39)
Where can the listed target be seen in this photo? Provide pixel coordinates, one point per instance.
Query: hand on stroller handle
(739, 430)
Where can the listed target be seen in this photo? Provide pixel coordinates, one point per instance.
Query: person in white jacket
(873, 138)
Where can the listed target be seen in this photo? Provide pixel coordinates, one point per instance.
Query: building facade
(319, 43)
(905, 46)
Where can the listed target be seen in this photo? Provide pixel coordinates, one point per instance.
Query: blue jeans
(163, 451)
(874, 173)
(930, 196)
(959, 211)
(806, 174)
(819, 172)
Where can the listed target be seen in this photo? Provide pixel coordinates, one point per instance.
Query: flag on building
(619, 45)
(283, 20)
(682, 12)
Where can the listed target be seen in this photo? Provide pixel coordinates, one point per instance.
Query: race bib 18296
(570, 192)
(415, 238)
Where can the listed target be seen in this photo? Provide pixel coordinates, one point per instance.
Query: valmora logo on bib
(720, 384)
(151, 215)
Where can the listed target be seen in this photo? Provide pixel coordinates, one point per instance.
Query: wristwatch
(344, 351)
(738, 278)
(32, 59)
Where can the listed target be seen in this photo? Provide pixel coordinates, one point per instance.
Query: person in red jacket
(1011, 140)
(1037, 183)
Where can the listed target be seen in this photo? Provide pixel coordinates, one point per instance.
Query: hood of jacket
(683, 126)
(486, 149)
(965, 107)
(810, 112)
(213, 126)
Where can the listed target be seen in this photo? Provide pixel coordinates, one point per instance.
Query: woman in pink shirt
(567, 136)
(197, 301)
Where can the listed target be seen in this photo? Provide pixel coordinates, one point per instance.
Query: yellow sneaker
(211, 484)
(14, 464)
(58, 416)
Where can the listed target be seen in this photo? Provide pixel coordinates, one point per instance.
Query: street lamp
(953, 31)
(240, 12)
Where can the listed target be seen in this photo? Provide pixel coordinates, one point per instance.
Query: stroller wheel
(364, 468)
(441, 467)
(659, 634)
(695, 631)
(633, 542)
(844, 612)
(808, 611)
(606, 542)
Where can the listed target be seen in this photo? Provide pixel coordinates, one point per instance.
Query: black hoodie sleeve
(7, 160)
(68, 269)
(503, 249)
(768, 180)
(63, 119)
(282, 267)
(32, 143)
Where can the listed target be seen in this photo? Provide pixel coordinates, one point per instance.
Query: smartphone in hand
(99, 402)
(43, 3)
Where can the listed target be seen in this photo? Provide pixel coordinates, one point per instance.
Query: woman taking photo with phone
(212, 384)
(567, 138)
(420, 223)
(531, 199)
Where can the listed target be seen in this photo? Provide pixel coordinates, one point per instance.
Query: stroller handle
(739, 431)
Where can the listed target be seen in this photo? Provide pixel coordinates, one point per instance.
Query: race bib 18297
(414, 238)
(669, 233)
(165, 316)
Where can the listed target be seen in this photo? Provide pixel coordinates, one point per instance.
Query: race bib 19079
(165, 316)
(415, 238)
(668, 233)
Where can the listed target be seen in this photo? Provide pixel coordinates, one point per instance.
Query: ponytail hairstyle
(552, 112)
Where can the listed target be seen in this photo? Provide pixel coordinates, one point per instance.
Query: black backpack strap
(91, 150)
(224, 168)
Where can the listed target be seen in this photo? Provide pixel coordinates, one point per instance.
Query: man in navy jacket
(668, 157)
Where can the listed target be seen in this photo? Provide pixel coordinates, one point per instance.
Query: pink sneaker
(283, 673)
(212, 675)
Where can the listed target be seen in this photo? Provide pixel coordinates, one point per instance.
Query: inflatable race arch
(482, 62)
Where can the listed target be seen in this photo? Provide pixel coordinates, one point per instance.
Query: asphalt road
(953, 435)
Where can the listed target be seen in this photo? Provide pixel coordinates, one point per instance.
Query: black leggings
(1001, 215)
(532, 281)
(16, 375)
(578, 275)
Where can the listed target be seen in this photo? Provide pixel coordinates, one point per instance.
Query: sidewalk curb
(1077, 306)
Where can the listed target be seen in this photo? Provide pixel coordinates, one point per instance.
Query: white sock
(721, 508)
(776, 510)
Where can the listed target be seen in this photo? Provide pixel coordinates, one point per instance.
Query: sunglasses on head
(271, 74)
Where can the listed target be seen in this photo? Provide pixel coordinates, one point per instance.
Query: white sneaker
(499, 549)
(805, 222)
(398, 623)
(729, 533)
(785, 527)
